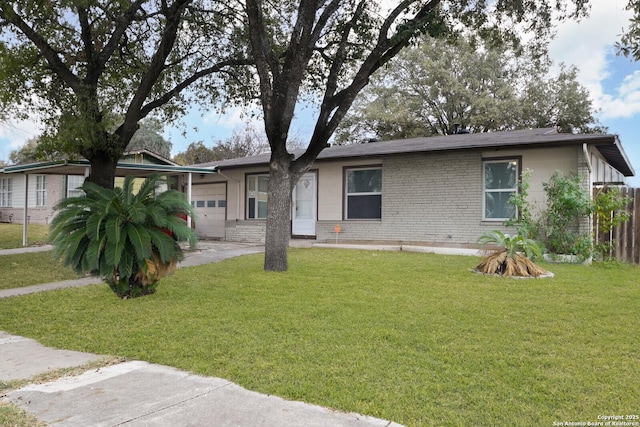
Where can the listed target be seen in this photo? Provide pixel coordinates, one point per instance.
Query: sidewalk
(205, 252)
(136, 393)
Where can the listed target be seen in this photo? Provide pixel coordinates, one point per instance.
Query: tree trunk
(278, 214)
(103, 171)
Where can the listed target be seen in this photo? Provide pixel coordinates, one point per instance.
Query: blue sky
(613, 82)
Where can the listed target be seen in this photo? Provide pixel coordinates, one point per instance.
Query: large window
(500, 182)
(363, 193)
(257, 188)
(74, 182)
(41, 190)
(5, 192)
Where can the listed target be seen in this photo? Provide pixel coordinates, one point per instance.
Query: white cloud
(13, 135)
(589, 45)
(626, 102)
(232, 118)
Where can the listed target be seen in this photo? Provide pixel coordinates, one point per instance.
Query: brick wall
(435, 198)
(36, 214)
(245, 231)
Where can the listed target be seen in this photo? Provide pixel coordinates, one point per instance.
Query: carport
(83, 167)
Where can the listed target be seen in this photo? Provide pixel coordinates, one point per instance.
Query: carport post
(25, 213)
(189, 181)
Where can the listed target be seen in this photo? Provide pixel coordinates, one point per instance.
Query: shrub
(513, 257)
(609, 209)
(567, 203)
(130, 239)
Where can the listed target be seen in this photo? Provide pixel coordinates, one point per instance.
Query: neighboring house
(439, 190)
(47, 189)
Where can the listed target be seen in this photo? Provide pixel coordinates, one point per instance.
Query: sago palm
(129, 238)
(512, 257)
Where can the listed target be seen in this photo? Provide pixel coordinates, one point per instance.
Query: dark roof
(608, 145)
(77, 167)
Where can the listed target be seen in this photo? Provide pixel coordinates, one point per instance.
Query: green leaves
(114, 233)
(512, 244)
(488, 87)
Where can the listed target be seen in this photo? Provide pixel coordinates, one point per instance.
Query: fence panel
(625, 238)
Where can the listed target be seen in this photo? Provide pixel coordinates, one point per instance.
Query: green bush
(525, 223)
(609, 209)
(129, 238)
(567, 203)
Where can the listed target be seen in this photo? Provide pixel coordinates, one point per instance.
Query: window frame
(256, 206)
(41, 191)
(347, 194)
(516, 189)
(76, 192)
(6, 192)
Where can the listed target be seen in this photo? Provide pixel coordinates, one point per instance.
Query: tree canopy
(437, 84)
(92, 69)
(147, 137)
(629, 43)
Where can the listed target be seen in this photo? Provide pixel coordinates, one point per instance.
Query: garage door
(210, 203)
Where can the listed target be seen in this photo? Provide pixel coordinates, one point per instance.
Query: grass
(414, 338)
(21, 270)
(12, 416)
(11, 235)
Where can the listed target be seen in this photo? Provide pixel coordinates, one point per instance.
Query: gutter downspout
(587, 158)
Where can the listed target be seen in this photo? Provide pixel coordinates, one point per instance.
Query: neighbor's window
(74, 182)
(363, 193)
(500, 182)
(257, 188)
(41, 190)
(5, 192)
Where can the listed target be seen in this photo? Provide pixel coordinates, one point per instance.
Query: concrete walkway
(136, 393)
(205, 252)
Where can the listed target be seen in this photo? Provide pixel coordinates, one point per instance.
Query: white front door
(305, 206)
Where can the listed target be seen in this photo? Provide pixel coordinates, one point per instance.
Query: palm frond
(138, 236)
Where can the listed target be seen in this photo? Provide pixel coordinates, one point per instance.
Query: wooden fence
(625, 237)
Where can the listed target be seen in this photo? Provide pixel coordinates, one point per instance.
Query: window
(74, 182)
(257, 188)
(41, 190)
(363, 193)
(5, 192)
(500, 182)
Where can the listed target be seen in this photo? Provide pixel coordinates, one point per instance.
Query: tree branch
(50, 55)
(167, 96)
(155, 68)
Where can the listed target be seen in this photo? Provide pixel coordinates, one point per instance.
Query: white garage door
(210, 203)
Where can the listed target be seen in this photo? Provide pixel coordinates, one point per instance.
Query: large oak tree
(437, 84)
(92, 69)
(332, 47)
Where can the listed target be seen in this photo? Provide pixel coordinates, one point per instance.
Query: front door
(305, 206)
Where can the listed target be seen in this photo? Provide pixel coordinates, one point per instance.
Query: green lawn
(414, 338)
(11, 235)
(21, 270)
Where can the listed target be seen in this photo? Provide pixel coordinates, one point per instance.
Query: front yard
(414, 338)
(11, 235)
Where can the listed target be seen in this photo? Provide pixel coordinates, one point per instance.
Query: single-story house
(48, 184)
(43, 184)
(446, 190)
